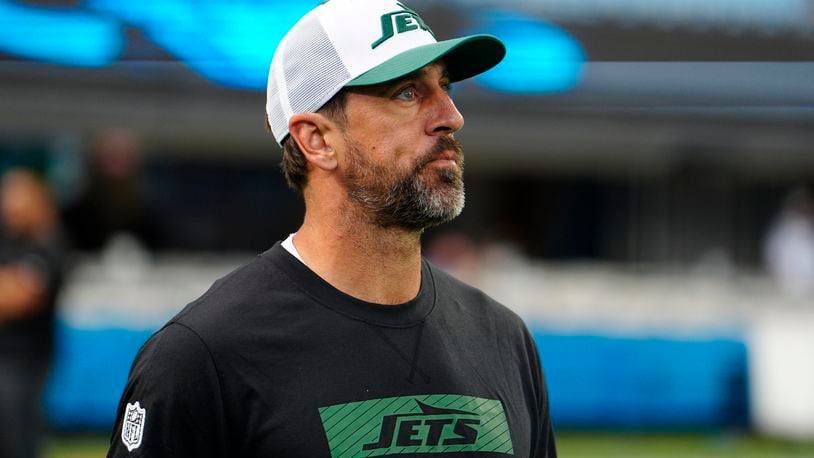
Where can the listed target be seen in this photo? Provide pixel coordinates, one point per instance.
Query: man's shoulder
(171, 349)
(237, 299)
(241, 284)
(482, 320)
(472, 300)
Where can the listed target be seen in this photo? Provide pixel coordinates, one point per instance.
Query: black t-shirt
(32, 337)
(274, 361)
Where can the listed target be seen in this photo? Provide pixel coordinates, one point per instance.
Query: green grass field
(569, 444)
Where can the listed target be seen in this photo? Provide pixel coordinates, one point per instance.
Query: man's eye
(406, 94)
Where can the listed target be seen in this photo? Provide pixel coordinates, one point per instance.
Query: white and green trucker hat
(357, 43)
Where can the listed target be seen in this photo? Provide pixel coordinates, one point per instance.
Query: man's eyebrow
(384, 88)
(405, 78)
(417, 74)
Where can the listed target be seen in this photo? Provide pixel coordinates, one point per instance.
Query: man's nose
(446, 118)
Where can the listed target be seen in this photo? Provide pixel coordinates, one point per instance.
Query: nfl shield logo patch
(133, 425)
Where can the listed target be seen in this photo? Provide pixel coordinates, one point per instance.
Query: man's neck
(374, 264)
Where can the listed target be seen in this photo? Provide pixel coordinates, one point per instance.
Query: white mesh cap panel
(274, 110)
(311, 74)
(319, 68)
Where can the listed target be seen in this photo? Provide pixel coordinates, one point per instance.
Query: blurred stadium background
(639, 179)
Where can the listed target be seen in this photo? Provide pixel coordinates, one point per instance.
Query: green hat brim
(464, 57)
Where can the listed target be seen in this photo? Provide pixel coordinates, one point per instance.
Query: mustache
(443, 144)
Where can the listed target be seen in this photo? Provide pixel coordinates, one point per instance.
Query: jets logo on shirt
(435, 423)
(133, 426)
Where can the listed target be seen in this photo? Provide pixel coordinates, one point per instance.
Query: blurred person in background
(113, 200)
(789, 248)
(342, 340)
(457, 253)
(31, 273)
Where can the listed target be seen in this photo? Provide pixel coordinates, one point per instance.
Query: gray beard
(407, 202)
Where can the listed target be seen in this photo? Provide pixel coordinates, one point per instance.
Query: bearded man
(342, 340)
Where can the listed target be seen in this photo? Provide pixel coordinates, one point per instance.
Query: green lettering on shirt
(434, 423)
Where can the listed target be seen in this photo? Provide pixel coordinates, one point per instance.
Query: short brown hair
(294, 165)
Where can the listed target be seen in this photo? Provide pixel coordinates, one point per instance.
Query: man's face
(402, 165)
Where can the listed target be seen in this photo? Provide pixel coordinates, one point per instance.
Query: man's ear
(309, 131)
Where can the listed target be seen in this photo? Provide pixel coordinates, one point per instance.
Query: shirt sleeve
(544, 444)
(172, 404)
